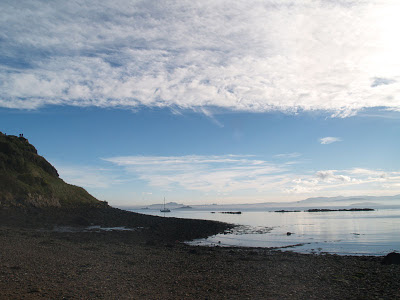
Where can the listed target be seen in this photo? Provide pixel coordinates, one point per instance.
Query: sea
(372, 233)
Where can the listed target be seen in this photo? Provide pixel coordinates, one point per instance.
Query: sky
(207, 101)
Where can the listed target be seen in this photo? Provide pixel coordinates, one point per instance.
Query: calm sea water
(345, 233)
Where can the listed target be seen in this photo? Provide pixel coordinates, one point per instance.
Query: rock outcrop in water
(343, 209)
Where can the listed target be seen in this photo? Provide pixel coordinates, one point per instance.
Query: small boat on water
(164, 210)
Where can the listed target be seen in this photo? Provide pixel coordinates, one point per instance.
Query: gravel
(142, 264)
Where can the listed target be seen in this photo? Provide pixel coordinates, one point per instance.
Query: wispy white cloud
(367, 172)
(335, 56)
(225, 173)
(352, 181)
(288, 155)
(251, 176)
(88, 176)
(329, 140)
(329, 176)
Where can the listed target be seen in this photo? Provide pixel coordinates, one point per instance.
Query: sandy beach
(40, 263)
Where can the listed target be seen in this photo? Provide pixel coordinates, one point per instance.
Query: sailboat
(164, 210)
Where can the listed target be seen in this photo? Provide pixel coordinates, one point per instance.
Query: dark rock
(392, 258)
(81, 221)
(343, 209)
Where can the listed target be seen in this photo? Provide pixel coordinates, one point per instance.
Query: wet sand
(151, 262)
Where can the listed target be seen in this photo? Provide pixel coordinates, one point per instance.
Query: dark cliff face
(28, 179)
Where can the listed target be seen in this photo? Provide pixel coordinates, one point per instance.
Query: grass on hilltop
(27, 179)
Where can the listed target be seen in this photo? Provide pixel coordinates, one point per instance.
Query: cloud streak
(329, 140)
(253, 56)
(88, 176)
(249, 175)
(225, 173)
(352, 181)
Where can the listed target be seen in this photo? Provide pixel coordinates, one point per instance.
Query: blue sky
(207, 102)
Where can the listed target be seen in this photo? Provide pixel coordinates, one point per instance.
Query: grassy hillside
(28, 180)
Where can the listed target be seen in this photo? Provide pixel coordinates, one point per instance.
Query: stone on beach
(392, 258)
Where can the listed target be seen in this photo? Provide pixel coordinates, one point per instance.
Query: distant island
(184, 207)
(334, 203)
(343, 209)
(326, 210)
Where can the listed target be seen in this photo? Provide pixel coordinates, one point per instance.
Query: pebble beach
(42, 263)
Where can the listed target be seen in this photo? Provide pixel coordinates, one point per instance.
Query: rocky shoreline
(152, 262)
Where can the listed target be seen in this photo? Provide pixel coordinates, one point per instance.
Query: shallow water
(93, 228)
(345, 233)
